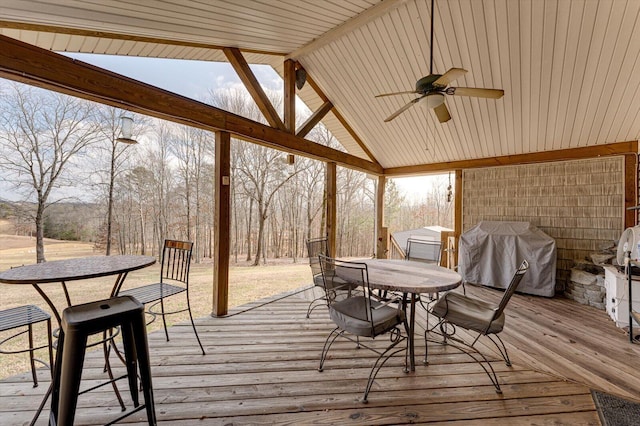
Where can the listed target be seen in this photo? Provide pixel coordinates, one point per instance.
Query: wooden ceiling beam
(382, 8)
(125, 37)
(240, 65)
(32, 65)
(618, 148)
(341, 119)
(314, 119)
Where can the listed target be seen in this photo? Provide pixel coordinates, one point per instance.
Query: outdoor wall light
(126, 125)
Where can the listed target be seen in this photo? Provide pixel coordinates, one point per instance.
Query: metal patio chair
(174, 279)
(26, 316)
(478, 317)
(357, 313)
(423, 251)
(316, 247)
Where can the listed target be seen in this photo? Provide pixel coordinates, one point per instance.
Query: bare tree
(265, 173)
(41, 133)
(190, 147)
(109, 158)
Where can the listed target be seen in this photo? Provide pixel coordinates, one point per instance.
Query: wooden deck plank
(261, 368)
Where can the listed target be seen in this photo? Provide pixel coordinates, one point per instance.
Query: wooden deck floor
(261, 368)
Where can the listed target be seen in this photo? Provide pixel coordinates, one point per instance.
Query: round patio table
(410, 278)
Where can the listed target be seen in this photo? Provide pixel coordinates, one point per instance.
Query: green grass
(246, 284)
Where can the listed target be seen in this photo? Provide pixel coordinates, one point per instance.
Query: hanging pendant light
(126, 126)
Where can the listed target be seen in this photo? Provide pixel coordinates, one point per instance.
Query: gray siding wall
(579, 203)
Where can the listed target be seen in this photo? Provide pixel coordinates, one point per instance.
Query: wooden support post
(381, 232)
(457, 214)
(222, 223)
(630, 189)
(331, 207)
(290, 96)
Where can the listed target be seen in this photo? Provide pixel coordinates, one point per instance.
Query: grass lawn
(246, 283)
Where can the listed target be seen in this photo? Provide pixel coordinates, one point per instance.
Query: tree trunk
(40, 233)
(112, 179)
(249, 217)
(262, 218)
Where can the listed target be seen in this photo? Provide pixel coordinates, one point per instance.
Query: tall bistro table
(412, 279)
(64, 271)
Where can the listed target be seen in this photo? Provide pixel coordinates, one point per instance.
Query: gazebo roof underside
(570, 69)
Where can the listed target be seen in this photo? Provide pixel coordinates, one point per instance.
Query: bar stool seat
(78, 323)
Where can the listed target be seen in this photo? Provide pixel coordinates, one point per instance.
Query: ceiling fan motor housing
(425, 84)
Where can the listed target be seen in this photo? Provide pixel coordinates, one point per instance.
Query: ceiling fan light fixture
(433, 100)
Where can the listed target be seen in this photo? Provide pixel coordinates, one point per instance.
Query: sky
(194, 79)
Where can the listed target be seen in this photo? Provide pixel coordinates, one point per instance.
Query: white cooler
(617, 295)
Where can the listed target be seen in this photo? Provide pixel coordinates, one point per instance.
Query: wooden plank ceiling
(570, 69)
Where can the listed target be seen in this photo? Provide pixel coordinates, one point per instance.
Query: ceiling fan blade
(449, 76)
(442, 113)
(475, 92)
(403, 109)
(397, 93)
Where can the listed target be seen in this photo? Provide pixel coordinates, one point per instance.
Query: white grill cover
(490, 252)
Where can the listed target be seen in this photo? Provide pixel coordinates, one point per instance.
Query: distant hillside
(63, 221)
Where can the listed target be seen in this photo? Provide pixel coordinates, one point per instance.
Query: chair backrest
(423, 250)
(315, 247)
(353, 279)
(176, 261)
(513, 286)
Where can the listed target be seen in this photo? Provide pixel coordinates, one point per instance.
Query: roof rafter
(362, 19)
(32, 65)
(341, 119)
(240, 65)
(314, 119)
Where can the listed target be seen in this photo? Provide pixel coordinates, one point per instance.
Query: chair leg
(470, 351)
(69, 377)
(32, 357)
(384, 356)
(131, 361)
(315, 303)
(193, 324)
(142, 351)
(501, 348)
(327, 344)
(164, 320)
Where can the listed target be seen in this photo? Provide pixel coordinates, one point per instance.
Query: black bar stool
(78, 323)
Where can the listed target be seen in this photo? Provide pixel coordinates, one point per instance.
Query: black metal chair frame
(354, 275)
(27, 316)
(315, 247)
(469, 348)
(175, 266)
(435, 245)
